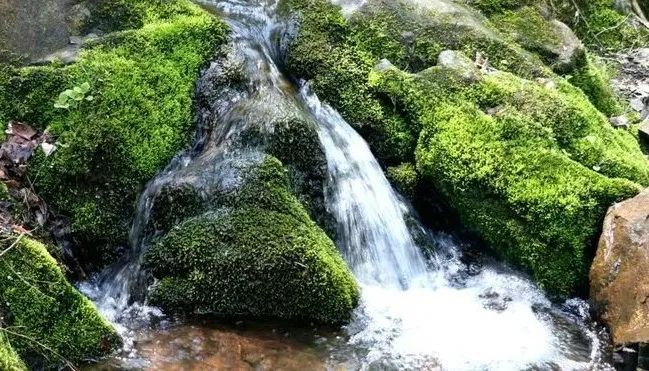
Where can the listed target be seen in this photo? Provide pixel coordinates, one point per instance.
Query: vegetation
(45, 319)
(141, 81)
(525, 157)
(600, 25)
(233, 261)
(531, 167)
(9, 359)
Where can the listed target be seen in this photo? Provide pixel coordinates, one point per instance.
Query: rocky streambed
(347, 185)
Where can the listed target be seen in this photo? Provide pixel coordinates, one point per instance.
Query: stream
(433, 310)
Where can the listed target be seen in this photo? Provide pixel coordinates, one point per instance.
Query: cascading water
(416, 311)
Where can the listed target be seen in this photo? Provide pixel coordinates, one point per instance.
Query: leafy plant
(71, 98)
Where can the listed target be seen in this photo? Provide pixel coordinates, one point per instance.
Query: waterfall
(416, 311)
(374, 237)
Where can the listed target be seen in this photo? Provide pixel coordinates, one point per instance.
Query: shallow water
(438, 310)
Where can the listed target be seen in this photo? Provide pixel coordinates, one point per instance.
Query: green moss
(489, 7)
(142, 81)
(527, 26)
(531, 166)
(9, 359)
(116, 15)
(405, 178)
(258, 255)
(594, 80)
(600, 25)
(176, 203)
(410, 38)
(46, 319)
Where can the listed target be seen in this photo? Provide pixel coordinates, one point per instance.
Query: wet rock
(618, 276)
(643, 131)
(625, 359)
(201, 347)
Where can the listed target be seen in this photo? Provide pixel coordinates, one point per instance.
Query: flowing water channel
(418, 310)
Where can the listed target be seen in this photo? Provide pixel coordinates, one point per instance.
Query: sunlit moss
(48, 322)
(9, 359)
(531, 166)
(142, 81)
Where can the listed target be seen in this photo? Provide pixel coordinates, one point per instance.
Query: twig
(590, 30)
(20, 237)
(613, 27)
(637, 9)
(67, 363)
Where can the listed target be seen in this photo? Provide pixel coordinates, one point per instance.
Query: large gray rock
(33, 28)
(619, 284)
(568, 49)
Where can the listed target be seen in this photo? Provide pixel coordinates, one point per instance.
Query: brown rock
(619, 280)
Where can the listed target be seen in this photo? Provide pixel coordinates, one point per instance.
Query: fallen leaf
(22, 130)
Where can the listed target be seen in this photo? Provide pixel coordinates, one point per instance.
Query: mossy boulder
(46, 320)
(531, 166)
(525, 156)
(9, 358)
(412, 37)
(257, 254)
(141, 83)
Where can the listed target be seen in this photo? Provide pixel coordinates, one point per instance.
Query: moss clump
(600, 25)
(404, 177)
(527, 26)
(46, 318)
(175, 203)
(9, 359)
(489, 7)
(258, 255)
(594, 80)
(142, 81)
(531, 166)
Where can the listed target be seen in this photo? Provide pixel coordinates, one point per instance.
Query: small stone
(384, 65)
(456, 60)
(619, 122)
(76, 40)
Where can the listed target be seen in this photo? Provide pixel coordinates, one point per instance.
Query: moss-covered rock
(141, 83)
(47, 320)
(531, 166)
(594, 79)
(602, 24)
(527, 158)
(404, 177)
(412, 37)
(259, 254)
(9, 359)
